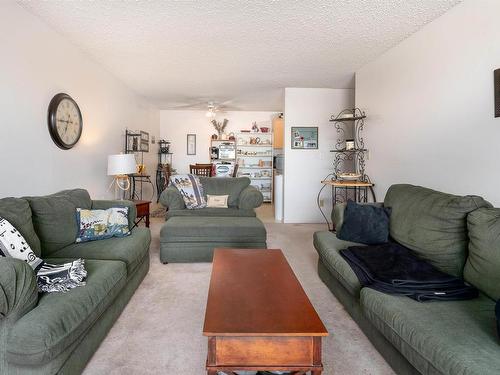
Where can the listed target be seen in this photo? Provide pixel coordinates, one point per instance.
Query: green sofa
(459, 235)
(57, 333)
(192, 235)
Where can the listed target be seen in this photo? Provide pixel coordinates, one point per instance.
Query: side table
(142, 208)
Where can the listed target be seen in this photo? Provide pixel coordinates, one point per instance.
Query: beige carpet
(159, 332)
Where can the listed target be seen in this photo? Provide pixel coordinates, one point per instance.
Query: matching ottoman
(194, 238)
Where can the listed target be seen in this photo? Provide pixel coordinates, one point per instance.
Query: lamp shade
(121, 164)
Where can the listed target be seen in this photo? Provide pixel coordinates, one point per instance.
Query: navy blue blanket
(394, 269)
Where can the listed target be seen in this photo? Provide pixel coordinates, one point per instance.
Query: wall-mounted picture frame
(496, 85)
(191, 144)
(144, 141)
(304, 137)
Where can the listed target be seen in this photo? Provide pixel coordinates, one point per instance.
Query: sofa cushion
(482, 268)
(213, 229)
(438, 337)
(17, 211)
(220, 212)
(60, 319)
(433, 224)
(328, 246)
(54, 218)
(131, 249)
(224, 185)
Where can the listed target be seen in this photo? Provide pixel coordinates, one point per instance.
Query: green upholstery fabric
(250, 198)
(328, 245)
(18, 288)
(18, 212)
(433, 224)
(59, 319)
(188, 252)
(54, 218)
(130, 250)
(338, 215)
(207, 229)
(225, 185)
(105, 204)
(242, 197)
(75, 356)
(351, 303)
(171, 198)
(483, 264)
(450, 338)
(221, 212)
(193, 239)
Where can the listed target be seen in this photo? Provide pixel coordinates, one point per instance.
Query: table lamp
(120, 166)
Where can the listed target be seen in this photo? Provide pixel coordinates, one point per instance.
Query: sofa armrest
(105, 204)
(250, 198)
(171, 198)
(338, 213)
(18, 288)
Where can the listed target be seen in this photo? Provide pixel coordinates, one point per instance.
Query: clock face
(65, 121)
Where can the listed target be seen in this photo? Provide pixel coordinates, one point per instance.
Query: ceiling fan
(212, 107)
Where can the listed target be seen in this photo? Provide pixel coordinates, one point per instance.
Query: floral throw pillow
(101, 224)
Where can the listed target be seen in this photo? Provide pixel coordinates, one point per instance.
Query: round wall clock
(65, 121)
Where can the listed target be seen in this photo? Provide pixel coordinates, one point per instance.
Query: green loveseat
(192, 235)
(459, 235)
(57, 333)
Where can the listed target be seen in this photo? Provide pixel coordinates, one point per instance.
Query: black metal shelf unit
(164, 166)
(349, 160)
(133, 146)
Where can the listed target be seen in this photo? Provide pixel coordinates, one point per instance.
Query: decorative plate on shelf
(347, 115)
(349, 176)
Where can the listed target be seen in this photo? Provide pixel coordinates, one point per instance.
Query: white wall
(429, 105)
(175, 125)
(304, 169)
(36, 63)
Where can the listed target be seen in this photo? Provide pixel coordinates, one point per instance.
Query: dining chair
(204, 170)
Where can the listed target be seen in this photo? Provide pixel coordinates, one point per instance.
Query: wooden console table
(258, 317)
(142, 208)
(340, 190)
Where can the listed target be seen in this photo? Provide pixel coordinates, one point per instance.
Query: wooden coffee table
(258, 317)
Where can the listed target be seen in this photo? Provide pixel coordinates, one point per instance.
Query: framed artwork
(144, 141)
(191, 144)
(304, 137)
(496, 85)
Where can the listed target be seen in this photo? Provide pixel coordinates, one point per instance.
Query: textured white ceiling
(243, 52)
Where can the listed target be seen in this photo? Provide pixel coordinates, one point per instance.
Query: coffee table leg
(316, 372)
(211, 372)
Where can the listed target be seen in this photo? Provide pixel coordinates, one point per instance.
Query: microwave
(227, 151)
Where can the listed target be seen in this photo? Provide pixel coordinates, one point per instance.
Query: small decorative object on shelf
(220, 126)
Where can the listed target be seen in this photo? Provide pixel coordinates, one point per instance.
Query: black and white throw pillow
(13, 244)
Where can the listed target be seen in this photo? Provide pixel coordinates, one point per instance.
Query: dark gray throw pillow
(366, 224)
